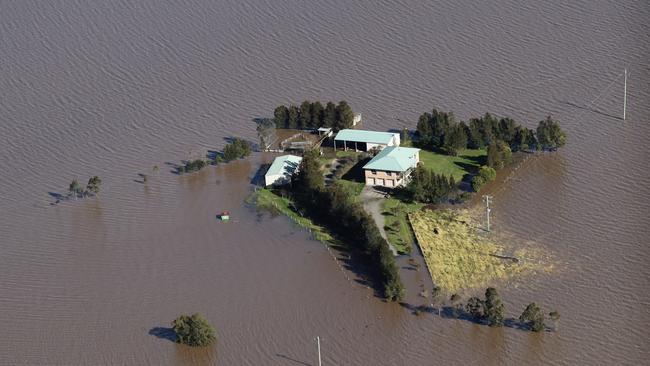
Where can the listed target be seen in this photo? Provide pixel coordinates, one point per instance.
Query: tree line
(236, 149)
(491, 310)
(334, 208)
(314, 115)
(440, 131)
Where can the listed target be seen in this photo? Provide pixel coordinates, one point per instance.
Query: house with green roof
(362, 140)
(282, 169)
(392, 166)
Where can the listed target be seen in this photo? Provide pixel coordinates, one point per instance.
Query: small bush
(477, 183)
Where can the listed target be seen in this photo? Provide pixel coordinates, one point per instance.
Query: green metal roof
(394, 159)
(373, 137)
(285, 164)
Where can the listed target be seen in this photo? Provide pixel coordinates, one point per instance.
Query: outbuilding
(282, 169)
(391, 167)
(361, 140)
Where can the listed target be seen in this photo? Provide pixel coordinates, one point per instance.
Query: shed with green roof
(365, 140)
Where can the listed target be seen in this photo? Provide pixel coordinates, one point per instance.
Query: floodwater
(114, 88)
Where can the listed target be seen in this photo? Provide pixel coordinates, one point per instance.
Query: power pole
(624, 94)
(488, 200)
(318, 343)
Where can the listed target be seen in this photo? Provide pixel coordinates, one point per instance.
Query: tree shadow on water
(163, 333)
(293, 360)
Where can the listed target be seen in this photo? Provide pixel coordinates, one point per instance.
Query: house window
(390, 174)
(373, 171)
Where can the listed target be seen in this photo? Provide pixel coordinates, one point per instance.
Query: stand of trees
(441, 132)
(193, 330)
(192, 166)
(428, 187)
(92, 187)
(335, 209)
(266, 133)
(314, 115)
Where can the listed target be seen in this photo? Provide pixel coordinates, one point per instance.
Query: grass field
(466, 162)
(458, 257)
(266, 199)
(396, 223)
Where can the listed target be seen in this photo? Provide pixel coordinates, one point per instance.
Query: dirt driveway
(372, 200)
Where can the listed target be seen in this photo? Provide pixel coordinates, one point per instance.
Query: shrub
(533, 317)
(193, 330)
(477, 183)
(192, 166)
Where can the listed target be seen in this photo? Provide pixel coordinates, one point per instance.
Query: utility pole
(624, 94)
(318, 343)
(488, 200)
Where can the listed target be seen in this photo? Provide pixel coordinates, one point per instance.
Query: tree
(475, 307)
(498, 154)
(494, 310)
(280, 117)
(455, 139)
(236, 149)
(549, 134)
(456, 303)
(533, 317)
(345, 116)
(309, 179)
(75, 188)
(329, 116)
(317, 114)
(437, 298)
(266, 133)
(94, 185)
(506, 130)
(194, 330)
(424, 130)
(293, 117)
(555, 317)
(478, 182)
(305, 119)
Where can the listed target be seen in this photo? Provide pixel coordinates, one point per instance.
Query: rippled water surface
(114, 88)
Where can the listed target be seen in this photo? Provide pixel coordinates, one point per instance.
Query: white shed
(282, 169)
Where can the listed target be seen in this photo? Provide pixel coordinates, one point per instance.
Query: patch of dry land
(460, 256)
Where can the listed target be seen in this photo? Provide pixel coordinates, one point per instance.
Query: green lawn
(466, 162)
(345, 154)
(397, 227)
(351, 187)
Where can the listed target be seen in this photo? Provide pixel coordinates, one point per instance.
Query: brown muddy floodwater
(113, 88)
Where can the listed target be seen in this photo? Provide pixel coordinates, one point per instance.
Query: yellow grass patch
(460, 257)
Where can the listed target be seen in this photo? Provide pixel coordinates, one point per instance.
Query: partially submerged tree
(193, 330)
(94, 185)
(475, 307)
(493, 309)
(237, 149)
(533, 317)
(549, 134)
(266, 132)
(75, 188)
(456, 303)
(555, 317)
(437, 298)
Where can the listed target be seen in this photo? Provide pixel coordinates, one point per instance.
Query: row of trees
(440, 131)
(428, 187)
(92, 187)
(492, 311)
(236, 149)
(343, 215)
(314, 115)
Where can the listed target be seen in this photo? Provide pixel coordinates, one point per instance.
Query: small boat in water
(224, 216)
